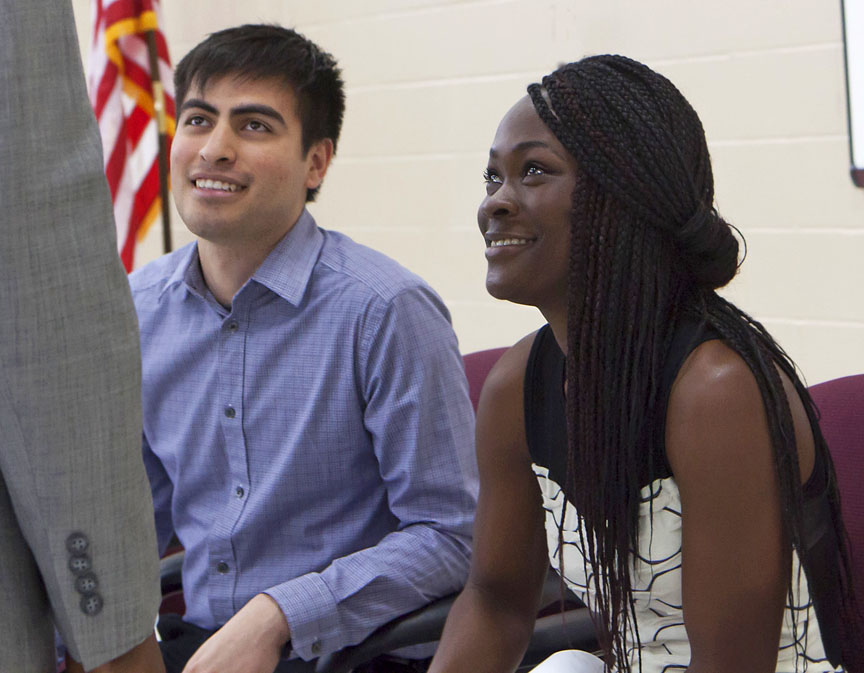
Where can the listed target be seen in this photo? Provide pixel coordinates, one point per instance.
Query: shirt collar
(188, 271)
(288, 267)
(285, 271)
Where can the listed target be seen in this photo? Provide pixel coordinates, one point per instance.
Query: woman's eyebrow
(521, 147)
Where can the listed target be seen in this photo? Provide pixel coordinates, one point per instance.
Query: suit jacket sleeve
(69, 354)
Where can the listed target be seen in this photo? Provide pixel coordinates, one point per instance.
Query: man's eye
(534, 170)
(254, 125)
(195, 120)
(490, 176)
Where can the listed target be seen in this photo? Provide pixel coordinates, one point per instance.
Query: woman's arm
(492, 620)
(736, 559)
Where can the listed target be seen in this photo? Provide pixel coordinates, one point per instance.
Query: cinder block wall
(428, 81)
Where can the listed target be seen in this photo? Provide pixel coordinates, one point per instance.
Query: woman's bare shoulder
(500, 411)
(716, 396)
(509, 371)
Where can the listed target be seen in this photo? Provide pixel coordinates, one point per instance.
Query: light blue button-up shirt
(313, 442)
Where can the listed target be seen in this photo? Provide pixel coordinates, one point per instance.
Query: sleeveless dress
(656, 580)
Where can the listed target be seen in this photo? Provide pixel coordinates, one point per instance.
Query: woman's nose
(499, 203)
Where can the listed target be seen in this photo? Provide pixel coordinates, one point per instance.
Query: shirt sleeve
(162, 489)
(420, 418)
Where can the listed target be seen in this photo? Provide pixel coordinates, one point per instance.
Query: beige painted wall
(428, 81)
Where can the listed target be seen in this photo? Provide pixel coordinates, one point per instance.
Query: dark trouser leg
(180, 640)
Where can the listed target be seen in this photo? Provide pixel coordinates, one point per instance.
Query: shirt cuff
(310, 610)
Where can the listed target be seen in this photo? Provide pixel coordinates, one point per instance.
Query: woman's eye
(490, 176)
(534, 170)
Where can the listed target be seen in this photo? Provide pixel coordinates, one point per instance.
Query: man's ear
(318, 157)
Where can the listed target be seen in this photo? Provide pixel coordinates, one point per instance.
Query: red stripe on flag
(116, 162)
(136, 125)
(106, 85)
(137, 74)
(126, 9)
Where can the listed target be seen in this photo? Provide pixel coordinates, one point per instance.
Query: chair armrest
(423, 625)
(551, 633)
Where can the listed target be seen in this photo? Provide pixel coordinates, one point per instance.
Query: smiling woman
(684, 484)
(525, 217)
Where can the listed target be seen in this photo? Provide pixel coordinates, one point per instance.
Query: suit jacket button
(77, 543)
(79, 564)
(91, 604)
(86, 583)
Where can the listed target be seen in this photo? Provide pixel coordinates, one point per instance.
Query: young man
(307, 428)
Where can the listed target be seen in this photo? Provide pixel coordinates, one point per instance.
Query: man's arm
(420, 419)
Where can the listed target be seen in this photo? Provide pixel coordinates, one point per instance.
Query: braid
(647, 246)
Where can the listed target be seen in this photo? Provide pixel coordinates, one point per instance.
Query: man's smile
(218, 185)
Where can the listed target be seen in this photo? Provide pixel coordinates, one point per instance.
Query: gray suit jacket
(77, 539)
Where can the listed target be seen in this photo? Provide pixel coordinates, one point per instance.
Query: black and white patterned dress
(656, 575)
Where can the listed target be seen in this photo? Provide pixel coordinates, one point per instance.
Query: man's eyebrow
(521, 147)
(250, 108)
(257, 108)
(200, 104)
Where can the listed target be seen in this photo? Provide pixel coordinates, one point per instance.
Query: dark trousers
(181, 639)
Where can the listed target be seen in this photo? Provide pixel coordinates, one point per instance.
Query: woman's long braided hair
(647, 247)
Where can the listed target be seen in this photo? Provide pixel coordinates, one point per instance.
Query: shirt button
(240, 492)
(232, 326)
(222, 568)
(229, 411)
(316, 647)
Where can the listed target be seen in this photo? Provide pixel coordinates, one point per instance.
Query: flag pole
(162, 122)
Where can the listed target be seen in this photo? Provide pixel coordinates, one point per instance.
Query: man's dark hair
(272, 52)
(647, 248)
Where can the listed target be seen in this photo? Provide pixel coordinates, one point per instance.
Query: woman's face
(525, 217)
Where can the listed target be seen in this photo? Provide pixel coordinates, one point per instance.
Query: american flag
(127, 106)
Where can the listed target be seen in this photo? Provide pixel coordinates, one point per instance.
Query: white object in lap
(570, 661)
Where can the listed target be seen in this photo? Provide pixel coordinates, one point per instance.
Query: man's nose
(219, 147)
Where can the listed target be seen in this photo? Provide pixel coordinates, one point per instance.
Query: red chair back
(841, 404)
(477, 366)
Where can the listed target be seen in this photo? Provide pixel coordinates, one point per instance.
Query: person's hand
(250, 642)
(145, 658)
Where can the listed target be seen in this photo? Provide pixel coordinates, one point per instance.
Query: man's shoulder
(367, 270)
(153, 277)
